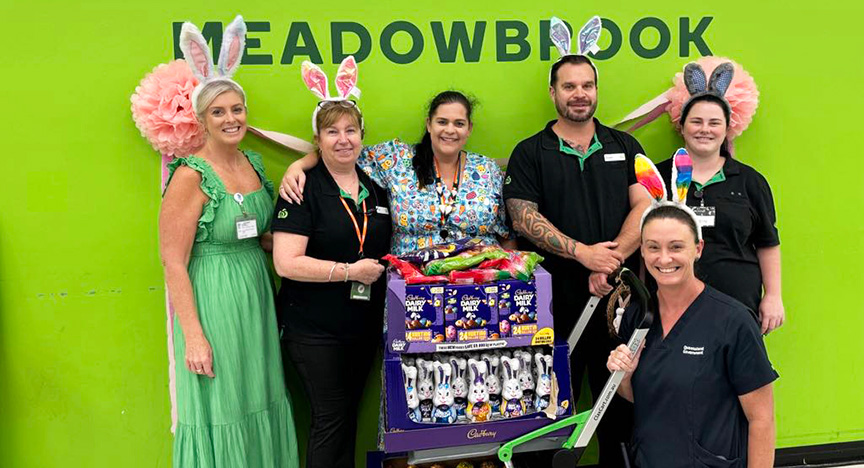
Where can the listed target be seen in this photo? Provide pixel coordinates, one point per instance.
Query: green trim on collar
(362, 196)
(567, 149)
(716, 179)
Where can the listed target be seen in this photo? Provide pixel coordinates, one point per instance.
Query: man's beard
(573, 116)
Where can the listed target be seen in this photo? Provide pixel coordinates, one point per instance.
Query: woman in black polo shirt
(702, 391)
(734, 206)
(332, 298)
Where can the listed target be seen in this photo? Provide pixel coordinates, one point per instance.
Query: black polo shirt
(587, 200)
(744, 221)
(323, 312)
(686, 386)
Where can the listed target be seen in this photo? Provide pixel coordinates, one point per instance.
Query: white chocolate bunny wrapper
(512, 406)
(198, 56)
(493, 383)
(460, 387)
(425, 390)
(444, 413)
(478, 396)
(526, 380)
(409, 377)
(543, 369)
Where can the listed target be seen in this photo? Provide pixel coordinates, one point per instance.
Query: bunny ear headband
(346, 85)
(729, 81)
(698, 86)
(682, 174)
(588, 36)
(200, 60)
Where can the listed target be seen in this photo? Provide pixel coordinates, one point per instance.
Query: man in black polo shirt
(572, 195)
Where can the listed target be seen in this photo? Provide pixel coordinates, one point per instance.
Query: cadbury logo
(481, 434)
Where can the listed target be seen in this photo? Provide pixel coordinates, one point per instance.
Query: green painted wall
(83, 378)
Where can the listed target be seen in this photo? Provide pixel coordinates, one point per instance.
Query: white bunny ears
(587, 39)
(346, 85)
(588, 36)
(200, 60)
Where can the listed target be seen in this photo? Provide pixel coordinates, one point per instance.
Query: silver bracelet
(330, 276)
(346, 272)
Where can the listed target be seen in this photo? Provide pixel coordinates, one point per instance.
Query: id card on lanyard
(246, 224)
(359, 291)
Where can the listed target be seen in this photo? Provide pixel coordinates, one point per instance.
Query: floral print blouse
(478, 210)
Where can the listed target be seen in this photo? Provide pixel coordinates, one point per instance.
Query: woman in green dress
(233, 410)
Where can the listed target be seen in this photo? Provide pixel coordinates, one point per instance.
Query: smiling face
(704, 129)
(670, 251)
(575, 92)
(225, 119)
(340, 143)
(449, 128)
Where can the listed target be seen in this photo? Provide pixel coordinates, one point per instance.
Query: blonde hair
(210, 91)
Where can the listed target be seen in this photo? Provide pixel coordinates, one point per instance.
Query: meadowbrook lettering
(510, 39)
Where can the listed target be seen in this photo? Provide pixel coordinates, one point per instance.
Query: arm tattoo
(528, 222)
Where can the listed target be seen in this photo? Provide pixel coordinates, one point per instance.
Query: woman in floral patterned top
(438, 191)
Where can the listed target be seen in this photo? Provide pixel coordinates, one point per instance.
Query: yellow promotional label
(543, 337)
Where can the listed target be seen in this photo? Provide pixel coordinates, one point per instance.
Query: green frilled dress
(242, 417)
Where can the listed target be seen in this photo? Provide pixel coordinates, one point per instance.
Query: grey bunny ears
(698, 86)
(198, 56)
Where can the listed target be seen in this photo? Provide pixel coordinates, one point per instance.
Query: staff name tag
(705, 215)
(360, 291)
(247, 227)
(613, 157)
(382, 210)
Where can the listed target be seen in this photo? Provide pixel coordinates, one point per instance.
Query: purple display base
(402, 434)
(395, 342)
(465, 434)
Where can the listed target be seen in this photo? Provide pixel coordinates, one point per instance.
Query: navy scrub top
(686, 386)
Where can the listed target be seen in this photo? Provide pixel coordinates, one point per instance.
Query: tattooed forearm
(528, 222)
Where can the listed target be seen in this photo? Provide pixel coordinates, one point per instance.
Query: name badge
(247, 226)
(705, 215)
(360, 291)
(613, 157)
(382, 210)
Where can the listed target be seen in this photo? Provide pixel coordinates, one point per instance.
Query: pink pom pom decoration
(163, 112)
(743, 96)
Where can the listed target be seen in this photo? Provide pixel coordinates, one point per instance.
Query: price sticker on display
(705, 215)
(360, 291)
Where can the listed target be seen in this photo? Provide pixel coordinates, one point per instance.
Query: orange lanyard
(360, 237)
(451, 200)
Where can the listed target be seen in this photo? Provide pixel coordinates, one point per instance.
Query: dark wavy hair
(424, 158)
(727, 113)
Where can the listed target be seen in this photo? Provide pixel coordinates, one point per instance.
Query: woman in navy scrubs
(702, 383)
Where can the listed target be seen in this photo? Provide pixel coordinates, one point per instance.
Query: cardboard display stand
(454, 318)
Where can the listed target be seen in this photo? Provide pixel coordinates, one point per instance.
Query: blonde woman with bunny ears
(231, 402)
